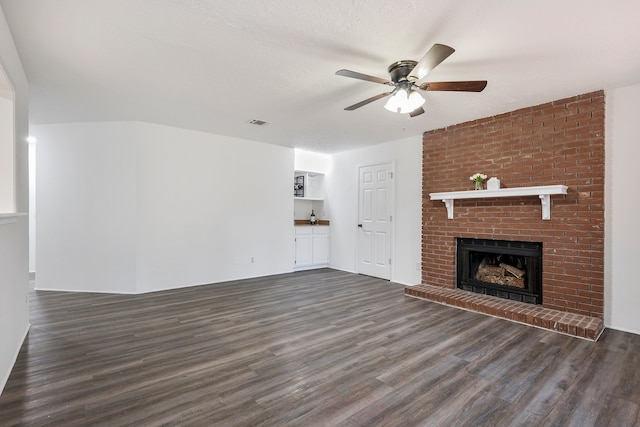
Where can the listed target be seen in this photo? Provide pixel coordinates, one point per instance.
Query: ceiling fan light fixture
(403, 102)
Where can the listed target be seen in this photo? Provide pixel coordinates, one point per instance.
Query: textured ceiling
(214, 65)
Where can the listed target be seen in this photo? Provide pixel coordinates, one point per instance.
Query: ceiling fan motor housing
(398, 71)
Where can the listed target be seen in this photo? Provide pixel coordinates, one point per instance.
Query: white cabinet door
(304, 250)
(320, 248)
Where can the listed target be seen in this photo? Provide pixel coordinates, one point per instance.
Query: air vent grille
(258, 122)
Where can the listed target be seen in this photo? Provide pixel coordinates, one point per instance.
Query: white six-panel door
(374, 210)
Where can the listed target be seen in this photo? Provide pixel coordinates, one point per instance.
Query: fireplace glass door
(502, 268)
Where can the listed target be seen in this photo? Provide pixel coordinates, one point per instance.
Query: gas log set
(492, 269)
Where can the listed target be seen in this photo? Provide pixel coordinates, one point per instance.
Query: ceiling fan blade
(366, 77)
(416, 112)
(430, 60)
(367, 101)
(468, 86)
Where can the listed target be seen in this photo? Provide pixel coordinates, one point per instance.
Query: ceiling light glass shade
(397, 101)
(401, 102)
(415, 100)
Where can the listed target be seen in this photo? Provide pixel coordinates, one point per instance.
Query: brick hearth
(573, 324)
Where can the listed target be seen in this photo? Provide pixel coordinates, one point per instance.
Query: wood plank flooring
(313, 348)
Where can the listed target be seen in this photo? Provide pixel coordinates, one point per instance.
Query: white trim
(8, 218)
(98, 291)
(310, 267)
(622, 329)
(313, 199)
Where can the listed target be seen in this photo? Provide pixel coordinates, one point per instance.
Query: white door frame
(392, 209)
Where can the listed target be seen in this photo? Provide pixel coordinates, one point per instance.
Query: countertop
(301, 222)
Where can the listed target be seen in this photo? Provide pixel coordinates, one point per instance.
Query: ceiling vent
(258, 122)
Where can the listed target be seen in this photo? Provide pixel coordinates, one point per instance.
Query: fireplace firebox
(502, 268)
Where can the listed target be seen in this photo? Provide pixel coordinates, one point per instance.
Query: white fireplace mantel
(543, 192)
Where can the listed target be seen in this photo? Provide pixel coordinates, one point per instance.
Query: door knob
(360, 225)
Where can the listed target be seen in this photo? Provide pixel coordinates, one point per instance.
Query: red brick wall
(561, 142)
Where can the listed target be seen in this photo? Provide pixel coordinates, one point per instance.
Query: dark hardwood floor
(321, 347)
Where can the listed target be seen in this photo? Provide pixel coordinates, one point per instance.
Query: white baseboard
(630, 331)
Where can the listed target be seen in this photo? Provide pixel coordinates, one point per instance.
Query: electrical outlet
(251, 259)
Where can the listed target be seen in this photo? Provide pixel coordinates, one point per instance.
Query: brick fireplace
(558, 143)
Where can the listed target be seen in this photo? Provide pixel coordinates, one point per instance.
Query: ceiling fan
(404, 77)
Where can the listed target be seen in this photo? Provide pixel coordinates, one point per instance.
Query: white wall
(14, 251)
(207, 204)
(86, 207)
(32, 207)
(342, 194)
(312, 162)
(135, 207)
(622, 233)
(7, 184)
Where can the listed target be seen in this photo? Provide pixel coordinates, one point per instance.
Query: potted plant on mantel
(478, 179)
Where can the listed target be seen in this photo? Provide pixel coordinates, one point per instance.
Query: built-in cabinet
(308, 195)
(311, 247)
(311, 241)
(308, 185)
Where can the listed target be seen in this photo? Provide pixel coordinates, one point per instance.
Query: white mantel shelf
(543, 192)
